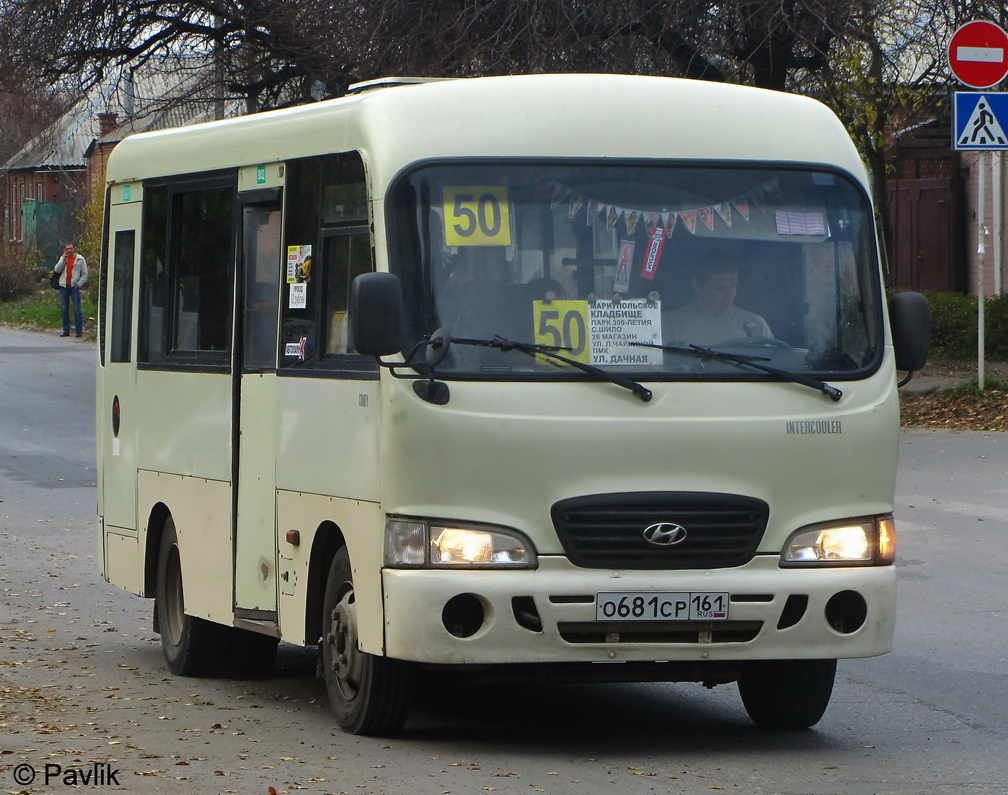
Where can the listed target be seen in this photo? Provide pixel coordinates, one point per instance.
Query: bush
(954, 326)
(19, 273)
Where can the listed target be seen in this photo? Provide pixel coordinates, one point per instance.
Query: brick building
(936, 195)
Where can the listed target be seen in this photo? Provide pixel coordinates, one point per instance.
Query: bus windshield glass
(638, 267)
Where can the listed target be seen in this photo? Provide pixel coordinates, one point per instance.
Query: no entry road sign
(978, 54)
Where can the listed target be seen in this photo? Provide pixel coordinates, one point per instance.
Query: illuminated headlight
(419, 543)
(862, 542)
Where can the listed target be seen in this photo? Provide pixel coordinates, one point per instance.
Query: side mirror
(376, 314)
(910, 318)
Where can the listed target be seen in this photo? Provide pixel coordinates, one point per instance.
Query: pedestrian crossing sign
(981, 120)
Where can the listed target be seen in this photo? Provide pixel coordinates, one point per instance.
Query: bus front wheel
(368, 694)
(192, 646)
(787, 694)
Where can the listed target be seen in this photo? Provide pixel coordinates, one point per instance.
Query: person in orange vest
(73, 276)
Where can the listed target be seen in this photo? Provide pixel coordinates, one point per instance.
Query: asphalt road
(84, 689)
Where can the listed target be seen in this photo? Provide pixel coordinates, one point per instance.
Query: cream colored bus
(564, 377)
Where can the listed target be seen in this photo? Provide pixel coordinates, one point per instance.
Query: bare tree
(276, 53)
(865, 58)
(26, 111)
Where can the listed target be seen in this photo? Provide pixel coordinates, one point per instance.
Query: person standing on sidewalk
(73, 273)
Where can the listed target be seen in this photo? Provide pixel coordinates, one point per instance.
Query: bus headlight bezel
(865, 541)
(421, 543)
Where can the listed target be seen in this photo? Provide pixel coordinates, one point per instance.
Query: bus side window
(150, 346)
(204, 246)
(185, 275)
(122, 295)
(346, 256)
(327, 242)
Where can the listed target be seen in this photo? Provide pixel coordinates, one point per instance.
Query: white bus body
(651, 511)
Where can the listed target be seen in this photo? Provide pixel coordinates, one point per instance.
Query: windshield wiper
(549, 351)
(756, 362)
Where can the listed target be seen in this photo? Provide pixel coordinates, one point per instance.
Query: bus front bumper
(548, 614)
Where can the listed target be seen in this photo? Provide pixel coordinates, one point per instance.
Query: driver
(712, 317)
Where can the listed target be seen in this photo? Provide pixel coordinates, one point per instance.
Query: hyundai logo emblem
(664, 534)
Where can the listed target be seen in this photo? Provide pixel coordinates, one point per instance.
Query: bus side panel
(362, 526)
(327, 444)
(328, 437)
(201, 510)
(187, 424)
(123, 565)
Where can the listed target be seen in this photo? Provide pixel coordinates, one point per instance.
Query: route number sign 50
(477, 215)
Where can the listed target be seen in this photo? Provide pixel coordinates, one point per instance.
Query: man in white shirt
(712, 317)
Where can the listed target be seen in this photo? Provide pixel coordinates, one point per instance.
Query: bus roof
(580, 116)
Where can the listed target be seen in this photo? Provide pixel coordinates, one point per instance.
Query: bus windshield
(639, 266)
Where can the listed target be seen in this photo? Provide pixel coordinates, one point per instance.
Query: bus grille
(607, 530)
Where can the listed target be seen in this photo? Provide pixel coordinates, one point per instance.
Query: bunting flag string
(727, 211)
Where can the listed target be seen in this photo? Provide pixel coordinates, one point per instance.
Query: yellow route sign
(477, 215)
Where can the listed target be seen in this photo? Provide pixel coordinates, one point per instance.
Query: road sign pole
(978, 57)
(981, 269)
(997, 214)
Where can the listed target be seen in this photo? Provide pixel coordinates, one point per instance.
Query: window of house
(187, 262)
(327, 242)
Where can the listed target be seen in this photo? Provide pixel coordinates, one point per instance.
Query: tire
(192, 646)
(368, 694)
(787, 694)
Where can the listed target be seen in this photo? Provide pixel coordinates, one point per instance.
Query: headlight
(419, 543)
(861, 542)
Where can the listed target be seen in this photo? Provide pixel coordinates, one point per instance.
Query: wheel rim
(346, 661)
(174, 604)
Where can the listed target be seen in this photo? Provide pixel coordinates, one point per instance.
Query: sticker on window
(798, 223)
(477, 215)
(298, 296)
(601, 333)
(299, 263)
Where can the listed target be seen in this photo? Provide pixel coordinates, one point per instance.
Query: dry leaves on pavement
(957, 409)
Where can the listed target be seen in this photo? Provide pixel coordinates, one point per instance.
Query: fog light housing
(868, 541)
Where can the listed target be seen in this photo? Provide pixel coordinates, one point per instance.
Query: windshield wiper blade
(551, 351)
(756, 362)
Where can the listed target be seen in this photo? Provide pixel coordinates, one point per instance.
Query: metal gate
(925, 211)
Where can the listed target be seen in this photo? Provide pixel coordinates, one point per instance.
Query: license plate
(662, 606)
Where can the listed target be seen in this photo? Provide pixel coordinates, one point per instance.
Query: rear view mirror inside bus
(376, 313)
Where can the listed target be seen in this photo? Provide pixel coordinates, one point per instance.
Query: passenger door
(260, 264)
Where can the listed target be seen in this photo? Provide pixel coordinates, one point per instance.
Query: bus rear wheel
(787, 694)
(192, 646)
(368, 694)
